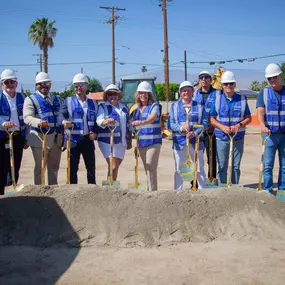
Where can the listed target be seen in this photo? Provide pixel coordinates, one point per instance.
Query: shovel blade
(280, 195)
(187, 171)
(140, 187)
(115, 184)
(212, 183)
(9, 190)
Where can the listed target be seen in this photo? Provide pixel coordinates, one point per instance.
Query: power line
(57, 63)
(241, 60)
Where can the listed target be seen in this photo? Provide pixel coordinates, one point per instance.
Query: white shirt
(84, 106)
(14, 113)
(123, 121)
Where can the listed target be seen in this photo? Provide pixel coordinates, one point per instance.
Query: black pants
(207, 147)
(5, 169)
(87, 149)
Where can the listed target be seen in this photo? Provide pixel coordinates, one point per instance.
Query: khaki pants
(150, 156)
(52, 164)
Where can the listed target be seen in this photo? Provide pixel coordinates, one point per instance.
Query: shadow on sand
(37, 242)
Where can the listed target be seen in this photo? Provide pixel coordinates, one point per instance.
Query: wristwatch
(241, 125)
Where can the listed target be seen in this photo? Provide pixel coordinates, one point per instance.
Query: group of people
(221, 113)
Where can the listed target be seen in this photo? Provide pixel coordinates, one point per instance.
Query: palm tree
(42, 32)
(144, 69)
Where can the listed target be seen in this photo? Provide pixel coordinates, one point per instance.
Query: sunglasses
(273, 77)
(229, 84)
(113, 94)
(9, 81)
(204, 77)
(79, 85)
(44, 84)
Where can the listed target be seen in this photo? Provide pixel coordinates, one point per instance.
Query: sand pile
(84, 215)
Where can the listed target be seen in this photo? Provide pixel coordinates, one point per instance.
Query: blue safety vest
(47, 112)
(76, 115)
(230, 117)
(5, 112)
(274, 110)
(110, 112)
(179, 115)
(149, 134)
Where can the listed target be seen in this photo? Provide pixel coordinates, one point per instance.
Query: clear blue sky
(208, 30)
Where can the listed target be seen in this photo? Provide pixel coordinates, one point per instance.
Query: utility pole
(185, 65)
(166, 62)
(39, 60)
(113, 21)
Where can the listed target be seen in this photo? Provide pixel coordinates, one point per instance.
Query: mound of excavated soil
(75, 215)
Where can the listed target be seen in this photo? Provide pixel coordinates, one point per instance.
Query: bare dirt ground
(89, 235)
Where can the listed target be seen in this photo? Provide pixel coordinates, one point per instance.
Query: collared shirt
(14, 112)
(84, 106)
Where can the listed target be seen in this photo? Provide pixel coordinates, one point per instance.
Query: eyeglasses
(79, 85)
(44, 84)
(229, 84)
(204, 77)
(9, 81)
(273, 77)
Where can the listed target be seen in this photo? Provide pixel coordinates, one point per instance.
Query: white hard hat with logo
(228, 77)
(42, 77)
(79, 78)
(272, 69)
(144, 86)
(8, 74)
(185, 84)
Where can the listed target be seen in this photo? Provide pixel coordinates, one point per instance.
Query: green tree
(160, 90)
(42, 32)
(94, 85)
(257, 86)
(144, 69)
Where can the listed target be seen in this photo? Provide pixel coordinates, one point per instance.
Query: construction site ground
(84, 234)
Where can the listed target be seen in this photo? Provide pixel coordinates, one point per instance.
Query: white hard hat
(79, 78)
(42, 77)
(144, 86)
(112, 88)
(8, 74)
(228, 77)
(205, 72)
(185, 84)
(272, 69)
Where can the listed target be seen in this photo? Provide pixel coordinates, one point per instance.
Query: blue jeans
(223, 151)
(275, 142)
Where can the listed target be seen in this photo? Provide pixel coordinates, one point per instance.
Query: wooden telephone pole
(166, 61)
(113, 21)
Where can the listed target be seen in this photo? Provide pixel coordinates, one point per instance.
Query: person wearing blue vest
(82, 112)
(206, 94)
(112, 111)
(271, 115)
(45, 110)
(229, 114)
(180, 132)
(146, 120)
(11, 118)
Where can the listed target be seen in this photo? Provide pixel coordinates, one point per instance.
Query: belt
(16, 133)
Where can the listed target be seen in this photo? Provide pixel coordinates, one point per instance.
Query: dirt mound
(82, 215)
